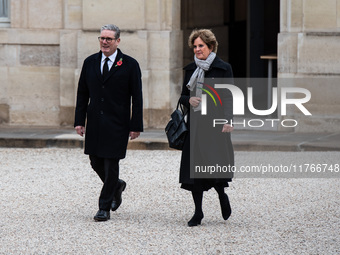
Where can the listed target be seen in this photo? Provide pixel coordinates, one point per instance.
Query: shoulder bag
(176, 130)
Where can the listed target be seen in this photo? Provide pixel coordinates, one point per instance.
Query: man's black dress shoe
(102, 215)
(118, 195)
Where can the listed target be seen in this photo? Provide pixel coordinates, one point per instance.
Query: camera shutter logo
(204, 98)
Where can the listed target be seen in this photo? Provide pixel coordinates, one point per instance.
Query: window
(4, 13)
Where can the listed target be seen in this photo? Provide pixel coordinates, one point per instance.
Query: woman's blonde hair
(206, 35)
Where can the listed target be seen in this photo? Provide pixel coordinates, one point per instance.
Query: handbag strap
(181, 108)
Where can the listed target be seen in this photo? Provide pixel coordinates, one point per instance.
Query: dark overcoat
(218, 69)
(105, 105)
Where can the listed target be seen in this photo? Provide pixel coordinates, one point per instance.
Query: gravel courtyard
(49, 196)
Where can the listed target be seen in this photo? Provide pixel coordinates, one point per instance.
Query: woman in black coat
(206, 65)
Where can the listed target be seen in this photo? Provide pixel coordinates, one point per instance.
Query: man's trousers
(108, 171)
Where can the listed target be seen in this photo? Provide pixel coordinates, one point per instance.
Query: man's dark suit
(106, 104)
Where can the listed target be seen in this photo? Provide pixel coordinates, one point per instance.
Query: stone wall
(309, 53)
(42, 53)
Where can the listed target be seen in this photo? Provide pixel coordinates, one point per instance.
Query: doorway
(245, 30)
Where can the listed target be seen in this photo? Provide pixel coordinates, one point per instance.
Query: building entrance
(247, 34)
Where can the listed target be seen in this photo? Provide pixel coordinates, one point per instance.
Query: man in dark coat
(109, 83)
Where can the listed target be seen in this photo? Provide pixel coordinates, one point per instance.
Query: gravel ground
(49, 196)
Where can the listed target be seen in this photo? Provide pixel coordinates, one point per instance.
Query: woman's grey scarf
(197, 78)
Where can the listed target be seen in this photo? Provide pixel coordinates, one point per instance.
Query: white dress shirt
(110, 62)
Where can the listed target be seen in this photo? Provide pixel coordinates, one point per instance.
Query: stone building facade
(309, 54)
(43, 44)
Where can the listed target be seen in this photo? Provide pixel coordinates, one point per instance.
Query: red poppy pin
(119, 63)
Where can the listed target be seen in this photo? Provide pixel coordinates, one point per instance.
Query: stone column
(308, 57)
(151, 34)
(69, 36)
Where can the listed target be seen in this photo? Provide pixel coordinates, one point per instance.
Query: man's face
(108, 48)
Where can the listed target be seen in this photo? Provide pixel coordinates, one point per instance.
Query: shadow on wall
(4, 113)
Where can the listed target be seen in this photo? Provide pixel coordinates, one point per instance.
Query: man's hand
(134, 135)
(227, 128)
(80, 130)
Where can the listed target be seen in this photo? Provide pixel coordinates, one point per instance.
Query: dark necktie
(105, 68)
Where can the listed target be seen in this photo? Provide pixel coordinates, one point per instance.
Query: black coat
(218, 69)
(106, 104)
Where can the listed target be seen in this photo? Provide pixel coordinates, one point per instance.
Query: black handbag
(176, 130)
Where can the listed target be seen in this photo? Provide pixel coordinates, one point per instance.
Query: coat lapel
(115, 66)
(97, 67)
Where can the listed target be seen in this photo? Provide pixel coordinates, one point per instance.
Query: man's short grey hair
(113, 28)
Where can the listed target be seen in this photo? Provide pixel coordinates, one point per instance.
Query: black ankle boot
(225, 206)
(196, 219)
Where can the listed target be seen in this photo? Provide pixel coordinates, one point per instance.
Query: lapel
(97, 66)
(113, 69)
(115, 66)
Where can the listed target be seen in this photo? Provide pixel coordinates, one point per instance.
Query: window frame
(5, 21)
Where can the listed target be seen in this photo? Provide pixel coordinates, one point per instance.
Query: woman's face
(201, 50)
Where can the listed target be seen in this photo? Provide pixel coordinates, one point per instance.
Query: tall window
(4, 12)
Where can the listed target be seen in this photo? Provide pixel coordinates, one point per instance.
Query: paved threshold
(155, 139)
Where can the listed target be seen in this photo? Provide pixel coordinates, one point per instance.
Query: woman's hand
(195, 101)
(227, 128)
